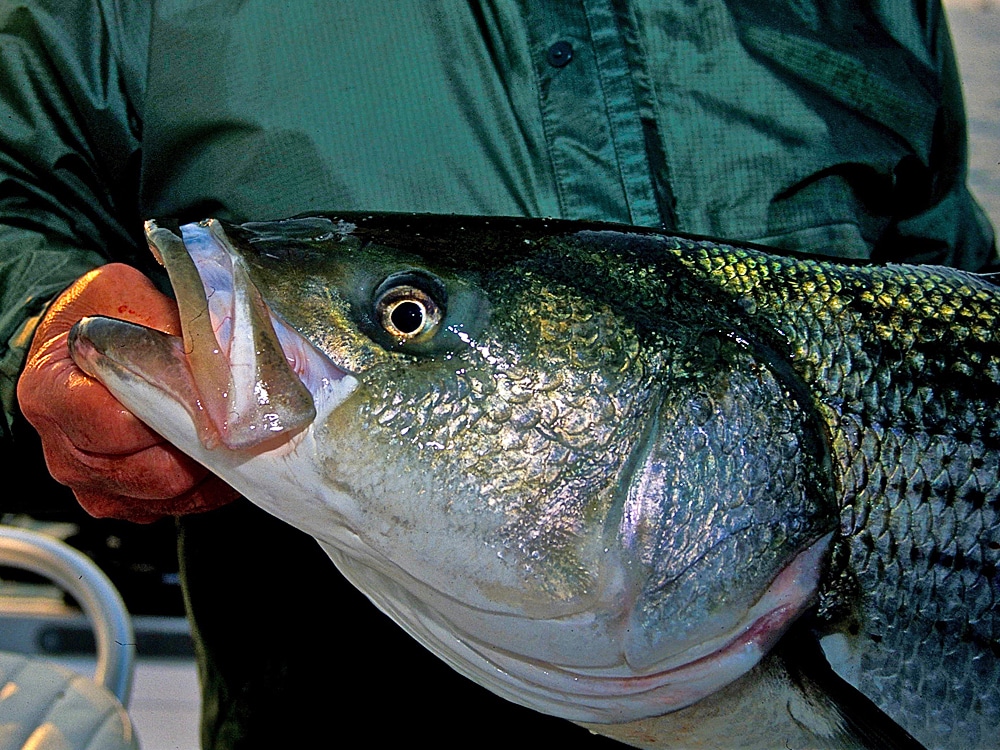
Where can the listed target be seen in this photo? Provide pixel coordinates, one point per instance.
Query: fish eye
(407, 312)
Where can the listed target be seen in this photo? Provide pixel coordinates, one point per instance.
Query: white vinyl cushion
(46, 707)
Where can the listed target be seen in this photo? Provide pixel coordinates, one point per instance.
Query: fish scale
(658, 485)
(913, 412)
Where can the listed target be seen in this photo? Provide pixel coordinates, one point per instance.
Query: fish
(684, 492)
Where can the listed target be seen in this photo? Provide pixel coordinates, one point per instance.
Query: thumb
(114, 290)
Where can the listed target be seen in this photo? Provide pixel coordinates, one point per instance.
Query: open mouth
(245, 377)
(246, 387)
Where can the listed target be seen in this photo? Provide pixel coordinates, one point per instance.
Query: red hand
(115, 465)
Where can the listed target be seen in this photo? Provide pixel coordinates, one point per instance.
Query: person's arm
(70, 87)
(67, 148)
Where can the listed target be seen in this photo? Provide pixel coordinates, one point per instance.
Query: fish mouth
(246, 379)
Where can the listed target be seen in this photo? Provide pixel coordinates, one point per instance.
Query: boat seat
(45, 706)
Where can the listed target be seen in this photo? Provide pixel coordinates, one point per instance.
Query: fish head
(488, 433)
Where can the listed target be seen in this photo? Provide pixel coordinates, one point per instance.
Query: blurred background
(37, 618)
(975, 26)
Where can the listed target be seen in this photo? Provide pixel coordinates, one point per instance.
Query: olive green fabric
(833, 127)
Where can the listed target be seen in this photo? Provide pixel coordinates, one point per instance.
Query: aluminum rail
(96, 595)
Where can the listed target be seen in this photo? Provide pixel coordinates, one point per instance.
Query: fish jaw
(248, 390)
(148, 372)
(238, 383)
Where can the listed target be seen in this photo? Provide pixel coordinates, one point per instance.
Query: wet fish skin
(711, 410)
(903, 365)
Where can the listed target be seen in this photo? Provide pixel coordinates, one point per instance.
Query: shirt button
(560, 54)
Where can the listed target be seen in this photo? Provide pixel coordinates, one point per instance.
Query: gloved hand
(116, 466)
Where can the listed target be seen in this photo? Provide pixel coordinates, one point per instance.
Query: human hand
(116, 466)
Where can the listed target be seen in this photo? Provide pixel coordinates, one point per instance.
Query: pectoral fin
(792, 700)
(824, 699)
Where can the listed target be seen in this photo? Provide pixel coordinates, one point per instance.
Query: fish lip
(250, 368)
(620, 694)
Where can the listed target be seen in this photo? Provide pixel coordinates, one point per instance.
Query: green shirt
(833, 127)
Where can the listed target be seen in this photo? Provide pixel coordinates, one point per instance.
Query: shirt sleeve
(70, 73)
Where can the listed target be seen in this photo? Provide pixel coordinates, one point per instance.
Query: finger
(155, 473)
(116, 291)
(210, 494)
(57, 397)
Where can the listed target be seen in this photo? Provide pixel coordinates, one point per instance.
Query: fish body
(606, 471)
